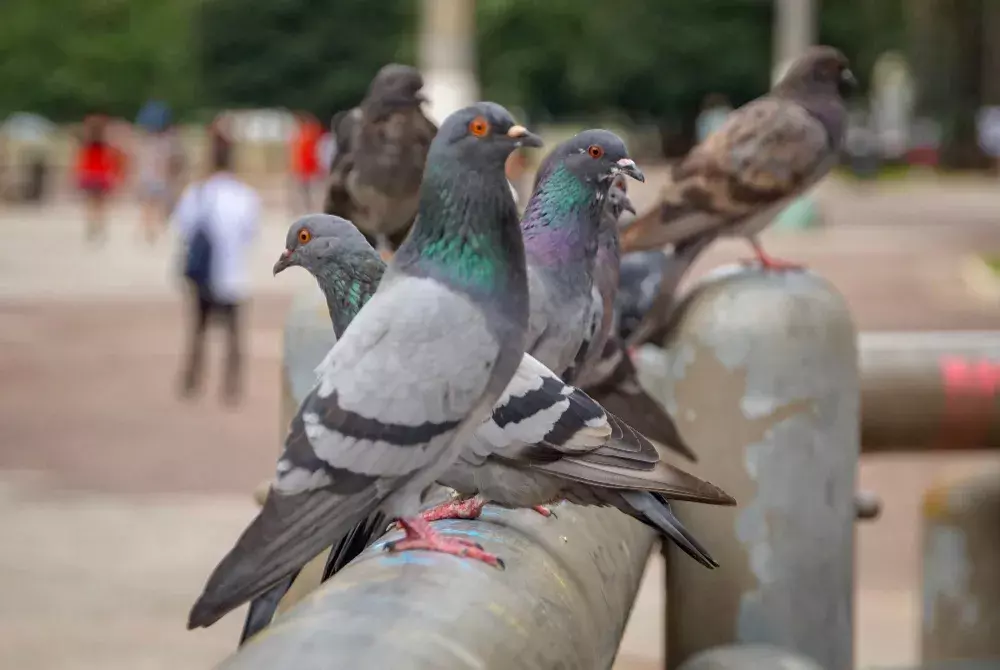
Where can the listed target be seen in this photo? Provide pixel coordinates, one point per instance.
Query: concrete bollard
(961, 571)
(762, 378)
(749, 657)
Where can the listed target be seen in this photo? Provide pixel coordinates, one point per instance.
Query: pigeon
(410, 380)
(762, 157)
(603, 315)
(382, 147)
(348, 270)
(561, 225)
(542, 432)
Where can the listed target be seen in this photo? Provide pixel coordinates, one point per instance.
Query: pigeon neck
(466, 232)
(561, 220)
(823, 103)
(348, 286)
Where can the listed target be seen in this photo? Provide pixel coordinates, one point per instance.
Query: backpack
(198, 262)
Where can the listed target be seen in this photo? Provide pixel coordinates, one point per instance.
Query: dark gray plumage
(766, 153)
(382, 147)
(409, 381)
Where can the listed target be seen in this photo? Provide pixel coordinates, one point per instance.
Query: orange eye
(595, 151)
(479, 126)
(304, 236)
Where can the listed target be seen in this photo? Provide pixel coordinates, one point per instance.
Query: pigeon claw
(769, 262)
(545, 511)
(421, 537)
(469, 508)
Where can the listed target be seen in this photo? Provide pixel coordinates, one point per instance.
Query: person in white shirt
(228, 211)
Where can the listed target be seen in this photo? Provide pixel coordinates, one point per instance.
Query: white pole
(448, 55)
(794, 31)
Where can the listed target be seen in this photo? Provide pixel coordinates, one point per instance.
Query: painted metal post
(961, 571)
(930, 391)
(762, 379)
(749, 657)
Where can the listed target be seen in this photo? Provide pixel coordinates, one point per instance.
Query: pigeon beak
(284, 261)
(628, 166)
(848, 79)
(523, 138)
(627, 205)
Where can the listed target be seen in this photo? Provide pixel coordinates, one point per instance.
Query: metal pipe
(561, 602)
(761, 376)
(934, 390)
(961, 580)
(749, 657)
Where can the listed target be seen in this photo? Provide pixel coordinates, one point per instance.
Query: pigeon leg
(470, 508)
(421, 537)
(544, 511)
(770, 262)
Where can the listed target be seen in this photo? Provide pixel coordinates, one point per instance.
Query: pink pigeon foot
(421, 537)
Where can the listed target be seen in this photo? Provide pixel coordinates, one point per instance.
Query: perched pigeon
(606, 279)
(535, 410)
(409, 382)
(561, 224)
(765, 154)
(542, 432)
(381, 150)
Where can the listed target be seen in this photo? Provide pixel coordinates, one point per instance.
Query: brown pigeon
(381, 150)
(768, 152)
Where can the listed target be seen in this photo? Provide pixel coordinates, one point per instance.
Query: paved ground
(116, 498)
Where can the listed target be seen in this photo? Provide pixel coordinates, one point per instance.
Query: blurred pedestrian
(305, 158)
(155, 159)
(217, 218)
(98, 167)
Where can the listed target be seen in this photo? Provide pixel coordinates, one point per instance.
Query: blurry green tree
(65, 58)
(314, 55)
(646, 60)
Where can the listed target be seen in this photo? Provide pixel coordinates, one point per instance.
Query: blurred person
(714, 111)
(218, 219)
(98, 168)
(305, 158)
(155, 158)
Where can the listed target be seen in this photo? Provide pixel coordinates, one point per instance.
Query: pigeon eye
(304, 236)
(479, 126)
(595, 151)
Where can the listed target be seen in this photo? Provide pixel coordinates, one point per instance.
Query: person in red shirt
(305, 161)
(98, 166)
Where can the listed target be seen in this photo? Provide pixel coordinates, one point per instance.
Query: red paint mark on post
(969, 397)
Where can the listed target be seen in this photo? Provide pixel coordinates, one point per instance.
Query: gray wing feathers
(287, 533)
(389, 397)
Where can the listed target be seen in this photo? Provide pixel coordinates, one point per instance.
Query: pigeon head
(480, 136)
(820, 69)
(313, 239)
(594, 156)
(618, 200)
(394, 88)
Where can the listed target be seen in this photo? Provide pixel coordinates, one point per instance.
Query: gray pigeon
(523, 425)
(603, 316)
(561, 224)
(767, 153)
(409, 382)
(545, 440)
(382, 148)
